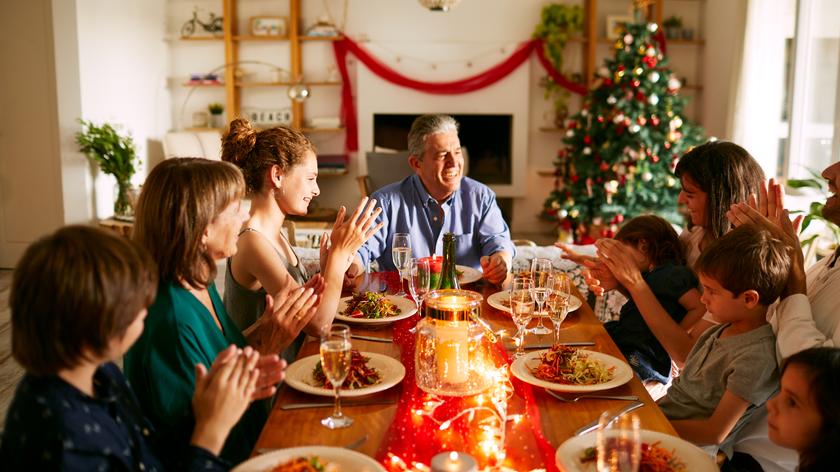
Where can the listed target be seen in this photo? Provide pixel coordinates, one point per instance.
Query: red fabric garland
(492, 75)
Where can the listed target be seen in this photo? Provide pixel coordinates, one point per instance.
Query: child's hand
(576, 257)
(599, 278)
(619, 263)
(222, 396)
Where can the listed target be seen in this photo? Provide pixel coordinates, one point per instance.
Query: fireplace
(486, 138)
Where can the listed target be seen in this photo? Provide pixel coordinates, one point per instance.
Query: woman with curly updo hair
(280, 169)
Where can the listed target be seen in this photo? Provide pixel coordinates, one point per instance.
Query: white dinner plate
(496, 301)
(406, 306)
(620, 375)
(299, 376)
(695, 460)
(346, 459)
(468, 274)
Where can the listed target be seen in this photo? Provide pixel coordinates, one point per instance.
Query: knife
(371, 338)
(573, 343)
(298, 406)
(594, 425)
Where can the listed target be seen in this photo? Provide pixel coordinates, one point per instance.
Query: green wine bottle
(448, 274)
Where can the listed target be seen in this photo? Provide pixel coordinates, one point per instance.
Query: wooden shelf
(189, 84)
(320, 38)
(201, 38)
(260, 38)
(546, 172)
(285, 84)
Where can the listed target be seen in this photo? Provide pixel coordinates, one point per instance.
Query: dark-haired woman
(281, 171)
(188, 217)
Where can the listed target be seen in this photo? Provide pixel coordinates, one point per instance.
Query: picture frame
(269, 26)
(615, 25)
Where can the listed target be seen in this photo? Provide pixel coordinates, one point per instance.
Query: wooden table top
(291, 428)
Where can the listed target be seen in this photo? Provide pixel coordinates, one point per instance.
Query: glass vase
(125, 197)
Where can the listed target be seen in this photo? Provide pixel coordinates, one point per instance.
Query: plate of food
(374, 308)
(501, 301)
(311, 459)
(369, 373)
(568, 369)
(467, 275)
(660, 452)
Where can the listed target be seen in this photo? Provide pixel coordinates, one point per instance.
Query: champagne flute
(558, 301)
(521, 310)
(401, 253)
(540, 273)
(335, 362)
(618, 443)
(419, 278)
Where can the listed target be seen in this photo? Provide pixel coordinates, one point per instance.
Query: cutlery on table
(594, 425)
(372, 338)
(583, 397)
(299, 406)
(548, 345)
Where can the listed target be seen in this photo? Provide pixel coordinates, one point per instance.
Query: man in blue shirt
(438, 199)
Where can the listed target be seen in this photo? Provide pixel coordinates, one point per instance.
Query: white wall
(122, 73)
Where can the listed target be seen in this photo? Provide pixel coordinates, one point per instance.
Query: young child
(657, 252)
(78, 301)
(805, 415)
(732, 370)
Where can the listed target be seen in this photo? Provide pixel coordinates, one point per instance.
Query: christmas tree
(621, 148)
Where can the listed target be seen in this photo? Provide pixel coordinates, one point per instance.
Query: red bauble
(618, 218)
(636, 83)
(600, 118)
(604, 166)
(641, 120)
(649, 61)
(654, 120)
(640, 96)
(654, 159)
(587, 139)
(667, 145)
(599, 180)
(574, 178)
(620, 67)
(607, 82)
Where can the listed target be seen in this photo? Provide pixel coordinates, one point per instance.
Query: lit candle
(454, 462)
(453, 361)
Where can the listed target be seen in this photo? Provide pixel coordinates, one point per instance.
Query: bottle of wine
(448, 274)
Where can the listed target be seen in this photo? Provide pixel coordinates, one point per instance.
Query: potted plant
(216, 109)
(673, 27)
(115, 155)
(830, 237)
(558, 23)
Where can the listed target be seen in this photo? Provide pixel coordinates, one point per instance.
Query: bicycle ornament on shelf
(212, 26)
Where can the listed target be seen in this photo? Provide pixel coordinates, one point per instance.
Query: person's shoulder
(674, 275)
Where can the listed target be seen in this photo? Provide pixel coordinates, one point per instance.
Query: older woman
(280, 170)
(187, 217)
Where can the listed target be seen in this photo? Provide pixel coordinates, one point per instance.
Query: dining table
(387, 428)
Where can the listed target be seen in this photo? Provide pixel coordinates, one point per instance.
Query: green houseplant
(673, 27)
(815, 212)
(115, 155)
(558, 23)
(216, 110)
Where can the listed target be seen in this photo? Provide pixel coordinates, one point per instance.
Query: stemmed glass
(419, 277)
(401, 253)
(521, 310)
(558, 301)
(618, 443)
(540, 274)
(335, 361)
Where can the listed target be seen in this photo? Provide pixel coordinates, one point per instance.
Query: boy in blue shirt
(732, 369)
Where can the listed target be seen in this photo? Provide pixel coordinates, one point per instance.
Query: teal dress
(180, 332)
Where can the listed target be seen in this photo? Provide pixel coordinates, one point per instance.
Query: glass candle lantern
(450, 358)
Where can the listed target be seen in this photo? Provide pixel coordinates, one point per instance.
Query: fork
(600, 397)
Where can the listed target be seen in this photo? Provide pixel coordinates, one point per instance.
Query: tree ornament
(654, 120)
(600, 118)
(636, 83)
(647, 176)
(603, 72)
(641, 120)
(584, 112)
(674, 83)
(562, 214)
(587, 151)
(570, 133)
(587, 139)
(653, 100)
(650, 61)
(612, 100)
(653, 77)
(634, 128)
(619, 118)
(670, 181)
(628, 39)
(676, 122)
(652, 27)
(604, 167)
(638, 71)
(650, 52)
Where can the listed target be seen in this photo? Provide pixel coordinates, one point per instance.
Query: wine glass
(401, 253)
(521, 310)
(540, 273)
(335, 362)
(618, 443)
(558, 301)
(419, 278)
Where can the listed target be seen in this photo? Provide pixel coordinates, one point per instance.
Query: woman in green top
(187, 217)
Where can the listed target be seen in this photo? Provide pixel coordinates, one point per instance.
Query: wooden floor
(10, 371)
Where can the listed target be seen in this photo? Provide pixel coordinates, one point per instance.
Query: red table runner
(425, 424)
